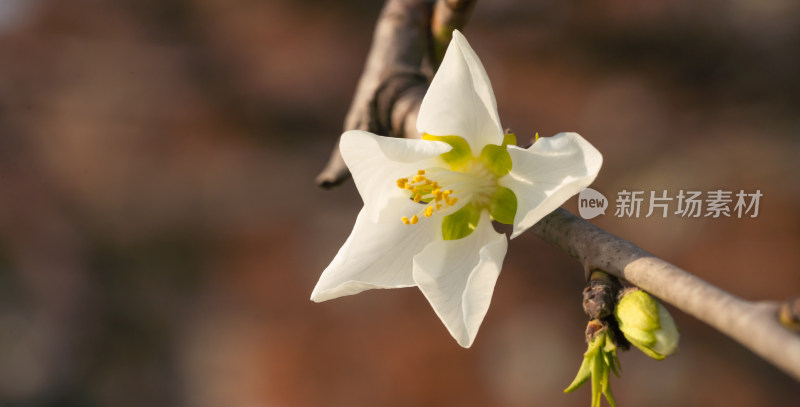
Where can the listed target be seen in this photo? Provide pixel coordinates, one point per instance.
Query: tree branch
(408, 33)
(753, 324)
(392, 84)
(448, 15)
(387, 101)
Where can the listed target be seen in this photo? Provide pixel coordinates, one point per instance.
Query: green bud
(599, 361)
(646, 324)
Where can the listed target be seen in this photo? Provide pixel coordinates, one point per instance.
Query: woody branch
(409, 39)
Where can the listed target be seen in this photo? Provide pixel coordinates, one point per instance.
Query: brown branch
(393, 68)
(753, 324)
(391, 87)
(448, 15)
(386, 102)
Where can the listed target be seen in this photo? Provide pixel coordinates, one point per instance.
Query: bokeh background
(160, 233)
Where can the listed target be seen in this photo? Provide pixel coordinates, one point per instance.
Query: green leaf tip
(503, 207)
(599, 361)
(461, 223)
(459, 156)
(496, 158)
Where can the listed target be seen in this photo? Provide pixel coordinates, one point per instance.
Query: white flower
(428, 204)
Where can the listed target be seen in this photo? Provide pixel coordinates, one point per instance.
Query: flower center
(439, 189)
(470, 179)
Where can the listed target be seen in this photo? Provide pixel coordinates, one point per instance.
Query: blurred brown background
(160, 233)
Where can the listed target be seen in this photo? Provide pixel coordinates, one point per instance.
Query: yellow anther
(424, 190)
(401, 183)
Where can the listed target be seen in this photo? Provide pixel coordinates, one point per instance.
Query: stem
(394, 80)
(448, 15)
(753, 324)
(392, 84)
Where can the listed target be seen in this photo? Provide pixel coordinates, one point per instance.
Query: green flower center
(471, 179)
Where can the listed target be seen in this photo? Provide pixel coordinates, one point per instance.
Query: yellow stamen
(425, 190)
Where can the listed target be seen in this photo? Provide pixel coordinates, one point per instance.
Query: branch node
(600, 295)
(384, 106)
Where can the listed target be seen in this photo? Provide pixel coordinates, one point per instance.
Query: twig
(448, 15)
(408, 33)
(393, 70)
(386, 102)
(753, 324)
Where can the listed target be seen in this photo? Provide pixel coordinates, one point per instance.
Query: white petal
(458, 277)
(548, 173)
(460, 101)
(377, 162)
(378, 254)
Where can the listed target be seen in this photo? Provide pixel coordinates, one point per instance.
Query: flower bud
(599, 361)
(646, 324)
